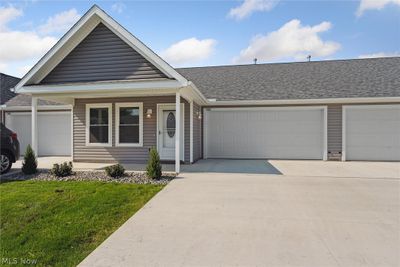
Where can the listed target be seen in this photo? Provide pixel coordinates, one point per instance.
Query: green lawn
(60, 223)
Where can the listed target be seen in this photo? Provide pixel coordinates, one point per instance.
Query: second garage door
(54, 129)
(371, 132)
(273, 133)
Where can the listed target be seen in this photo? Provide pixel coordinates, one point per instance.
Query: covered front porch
(111, 127)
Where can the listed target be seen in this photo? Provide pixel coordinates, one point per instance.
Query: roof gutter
(359, 100)
(42, 108)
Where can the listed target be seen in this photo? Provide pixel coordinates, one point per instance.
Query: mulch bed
(129, 177)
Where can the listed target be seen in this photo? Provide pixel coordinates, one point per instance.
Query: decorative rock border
(97, 175)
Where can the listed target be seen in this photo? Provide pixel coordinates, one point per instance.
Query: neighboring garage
(273, 133)
(54, 130)
(371, 132)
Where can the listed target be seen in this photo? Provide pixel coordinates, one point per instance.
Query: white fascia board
(28, 108)
(99, 87)
(305, 101)
(197, 93)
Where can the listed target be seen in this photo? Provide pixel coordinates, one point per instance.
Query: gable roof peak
(78, 32)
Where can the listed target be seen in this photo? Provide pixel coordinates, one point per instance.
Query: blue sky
(197, 33)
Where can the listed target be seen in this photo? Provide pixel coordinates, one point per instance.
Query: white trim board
(133, 87)
(40, 108)
(324, 101)
(117, 120)
(191, 130)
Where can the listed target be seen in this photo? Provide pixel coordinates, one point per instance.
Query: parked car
(9, 148)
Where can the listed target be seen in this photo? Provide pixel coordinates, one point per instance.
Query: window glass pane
(171, 124)
(98, 134)
(129, 115)
(129, 134)
(98, 116)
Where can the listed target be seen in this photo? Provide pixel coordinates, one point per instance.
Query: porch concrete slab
(216, 219)
(231, 166)
(47, 163)
(215, 165)
(338, 168)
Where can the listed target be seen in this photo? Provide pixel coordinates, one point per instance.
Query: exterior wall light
(149, 112)
(199, 115)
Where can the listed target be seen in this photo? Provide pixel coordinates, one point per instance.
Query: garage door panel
(373, 126)
(290, 134)
(373, 140)
(54, 132)
(372, 132)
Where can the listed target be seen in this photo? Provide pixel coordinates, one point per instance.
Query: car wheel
(5, 162)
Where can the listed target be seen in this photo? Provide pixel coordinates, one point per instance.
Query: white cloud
(17, 47)
(374, 5)
(22, 70)
(292, 40)
(118, 7)
(189, 51)
(248, 7)
(8, 14)
(3, 67)
(380, 54)
(60, 23)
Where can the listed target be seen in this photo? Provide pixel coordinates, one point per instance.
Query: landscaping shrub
(115, 171)
(153, 168)
(29, 165)
(62, 170)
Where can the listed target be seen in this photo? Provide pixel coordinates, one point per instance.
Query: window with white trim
(98, 124)
(129, 124)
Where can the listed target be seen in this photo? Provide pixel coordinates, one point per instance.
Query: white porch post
(191, 131)
(34, 125)
(178, 132)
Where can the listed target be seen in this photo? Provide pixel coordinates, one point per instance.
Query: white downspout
(177, 132)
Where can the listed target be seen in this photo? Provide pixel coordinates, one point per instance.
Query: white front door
(166, 131)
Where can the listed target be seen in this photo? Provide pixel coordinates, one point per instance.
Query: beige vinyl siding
(334, 130)
(123, 154)
(102, 56)
(197, 133)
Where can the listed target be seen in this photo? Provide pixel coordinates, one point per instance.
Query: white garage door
(274, 133)
(54, 129)
(371, 132)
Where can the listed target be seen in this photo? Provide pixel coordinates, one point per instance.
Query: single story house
(54, 120)
(126, 99)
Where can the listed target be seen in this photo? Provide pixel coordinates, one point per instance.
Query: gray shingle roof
(11, 99)
(26, 100)
(378, 77)
(6, 83)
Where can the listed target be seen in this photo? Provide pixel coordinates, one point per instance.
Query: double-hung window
(98, 124)
(129, 124)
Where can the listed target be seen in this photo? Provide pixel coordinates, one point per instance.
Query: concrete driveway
(239, 219)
